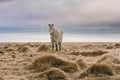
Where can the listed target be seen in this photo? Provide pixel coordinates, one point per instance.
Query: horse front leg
(56, 46)
(59, 46)
(52, 46)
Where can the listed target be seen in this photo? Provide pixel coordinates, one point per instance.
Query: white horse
(56, 37)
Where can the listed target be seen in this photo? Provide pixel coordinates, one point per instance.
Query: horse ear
(48, 24)
(52, 24)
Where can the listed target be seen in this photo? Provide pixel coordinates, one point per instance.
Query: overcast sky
(93, 14)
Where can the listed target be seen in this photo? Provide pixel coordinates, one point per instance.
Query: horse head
(51, 28)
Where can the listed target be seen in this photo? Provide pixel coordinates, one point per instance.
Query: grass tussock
(5, 47)
(97, 70)
(108, 59)
(56, 74)
(45, 62)
(43, 48)
(90, 53)
(81, 63)
(9, 50)
(1, 52)
(116, 68)
(88, 46)
(23, 49)
(117, 45)
(109, 47)
(1, 78)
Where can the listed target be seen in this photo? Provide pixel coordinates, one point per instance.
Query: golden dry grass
(47, 61)
(56, 74)
(50, 74)
(117, 45)
(9, 49)
(81, 63)
(88, 46)
(109, 47)
(116, 68)
(108, 59)
(43, 48)
(1, 52)
(23, 49)
(5, 47)
(85, 63)
(111, 61)
(97, 70)
(90, 53)
(1, 78)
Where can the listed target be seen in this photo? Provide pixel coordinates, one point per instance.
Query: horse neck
(54, 29)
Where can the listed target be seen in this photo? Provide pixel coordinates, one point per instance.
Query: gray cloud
(5, 0)
(103, 14)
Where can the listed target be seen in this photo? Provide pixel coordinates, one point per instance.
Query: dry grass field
(76, 61)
